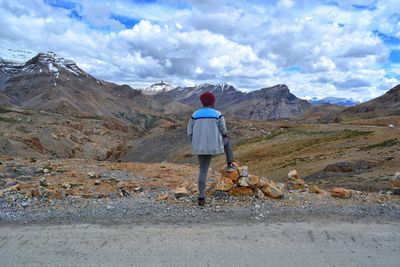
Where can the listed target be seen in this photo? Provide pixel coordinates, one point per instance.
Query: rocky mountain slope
(385, 105)
(47, 82)
(267, 103)
(224, 94)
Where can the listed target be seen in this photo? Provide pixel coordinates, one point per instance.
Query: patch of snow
(54, 70)
(308, 98)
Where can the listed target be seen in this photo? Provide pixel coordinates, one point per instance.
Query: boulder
(243, 171)
(293, 174)
(316, 190)
(1, 193)
(233, 175)
(396, 180)
(253, 180)
(355, 165)
(181, 192)
(272, 191)
(223, 184)
(162, 197)
(340, 192)
(262, 181)
(243, 181)
(366, 164)
(241, 191)
(296, 184)
(343, 166)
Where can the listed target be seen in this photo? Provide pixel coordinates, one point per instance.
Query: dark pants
(204, 164)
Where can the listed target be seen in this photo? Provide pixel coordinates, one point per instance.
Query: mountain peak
(53, 64)
(158, 87)
(345, 102)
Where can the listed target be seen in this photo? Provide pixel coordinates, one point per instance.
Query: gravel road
(254, 244)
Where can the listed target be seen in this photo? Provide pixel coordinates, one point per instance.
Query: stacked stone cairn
(241, 183)
(295, 182)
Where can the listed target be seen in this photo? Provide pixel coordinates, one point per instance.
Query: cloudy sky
(318, 48)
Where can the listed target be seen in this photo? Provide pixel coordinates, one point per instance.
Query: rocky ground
(76, 190)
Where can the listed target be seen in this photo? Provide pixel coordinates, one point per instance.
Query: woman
(208, 135)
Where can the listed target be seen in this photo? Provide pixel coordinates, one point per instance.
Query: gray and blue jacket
(205, 129)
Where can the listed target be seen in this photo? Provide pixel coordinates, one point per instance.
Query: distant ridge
(267, 103)
(387, 104)
(345, 102)
(47, 82)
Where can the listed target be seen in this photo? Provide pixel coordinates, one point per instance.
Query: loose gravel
(142, 208)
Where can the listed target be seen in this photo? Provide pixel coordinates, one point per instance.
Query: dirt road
(278, 244)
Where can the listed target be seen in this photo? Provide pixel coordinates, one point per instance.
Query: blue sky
(318, 48)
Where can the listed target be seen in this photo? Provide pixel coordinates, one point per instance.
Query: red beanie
(207, 99)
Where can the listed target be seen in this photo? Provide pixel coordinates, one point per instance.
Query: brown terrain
(89, 141)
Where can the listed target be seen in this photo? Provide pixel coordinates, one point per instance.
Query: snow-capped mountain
(46, 63)
(47, 82)
(266, 103)
(346, 102)
(158, 87)
(223, 92)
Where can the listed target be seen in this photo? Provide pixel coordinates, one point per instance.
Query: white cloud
(252, 44)
(286, 3)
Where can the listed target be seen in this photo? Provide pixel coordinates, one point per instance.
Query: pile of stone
(295, 182)
(240, 182)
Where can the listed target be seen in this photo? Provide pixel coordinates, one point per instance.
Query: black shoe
(230, 167)
(201, 202)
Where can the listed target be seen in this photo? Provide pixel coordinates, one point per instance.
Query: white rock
(244, 171)
(292, 174)
(243, 181)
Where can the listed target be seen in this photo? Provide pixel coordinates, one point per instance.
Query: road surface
(278, 244)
